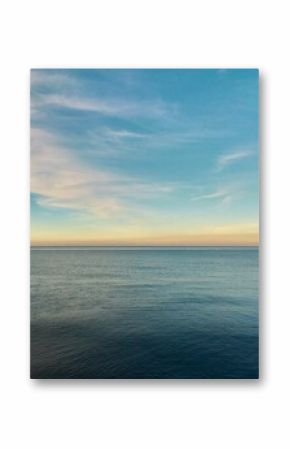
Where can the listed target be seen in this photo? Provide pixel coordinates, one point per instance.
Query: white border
(225, 414)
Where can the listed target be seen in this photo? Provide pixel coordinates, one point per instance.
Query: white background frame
(139, 414)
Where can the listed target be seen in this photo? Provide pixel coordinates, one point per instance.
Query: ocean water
(144, 313)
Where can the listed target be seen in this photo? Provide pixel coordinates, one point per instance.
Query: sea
(144, 313)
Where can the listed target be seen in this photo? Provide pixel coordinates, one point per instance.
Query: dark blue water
(144, 313)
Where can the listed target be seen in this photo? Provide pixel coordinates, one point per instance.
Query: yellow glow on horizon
(234, 234)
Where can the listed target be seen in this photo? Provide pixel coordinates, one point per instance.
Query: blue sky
(144, 156)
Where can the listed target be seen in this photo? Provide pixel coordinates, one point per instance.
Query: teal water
(144, 313)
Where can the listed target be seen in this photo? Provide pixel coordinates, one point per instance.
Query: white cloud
(222, 194)
(229, 158)
(82, 104)
(105, 106)
(124, 133)
(50, 78)
(62, 180)
(64, 90)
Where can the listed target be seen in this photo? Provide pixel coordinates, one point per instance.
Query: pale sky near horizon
(144, 157)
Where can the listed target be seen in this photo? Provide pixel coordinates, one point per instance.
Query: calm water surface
(144, 313)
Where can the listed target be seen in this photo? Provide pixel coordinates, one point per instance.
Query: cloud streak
(219, 194)
(122, 108)
(61, 180)
(60, 90)
(227, 159)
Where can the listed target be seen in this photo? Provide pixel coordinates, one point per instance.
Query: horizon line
(142, 246)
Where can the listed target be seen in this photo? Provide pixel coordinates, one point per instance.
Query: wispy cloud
(61, 180)
(219, 194)
(59, 90)
(121, 142)
(62, 90)
(52, 79)
(109, 107)
(123, 134)
(229, 158)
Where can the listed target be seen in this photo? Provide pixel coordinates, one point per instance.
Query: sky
(144, 157)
